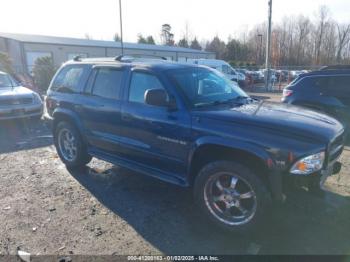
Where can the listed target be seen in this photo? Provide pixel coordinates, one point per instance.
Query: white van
(221, 66)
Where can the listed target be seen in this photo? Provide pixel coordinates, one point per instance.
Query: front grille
(16, 101)
(336, 148)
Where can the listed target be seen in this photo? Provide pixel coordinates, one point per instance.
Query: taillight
(287, 92)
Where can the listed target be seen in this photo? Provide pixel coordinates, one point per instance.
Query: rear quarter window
(70, 79)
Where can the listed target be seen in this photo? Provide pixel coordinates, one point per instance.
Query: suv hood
(15, 91)
(284, 118)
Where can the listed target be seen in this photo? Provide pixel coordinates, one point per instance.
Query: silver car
(17, 101)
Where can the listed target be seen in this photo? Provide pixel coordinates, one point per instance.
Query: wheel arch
(68, 116)
(252, 157)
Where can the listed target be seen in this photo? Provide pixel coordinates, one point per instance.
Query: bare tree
(343, 39)
(322, 18)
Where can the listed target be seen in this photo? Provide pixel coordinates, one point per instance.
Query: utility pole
(121, 26)
(268, 49)
(260, 36)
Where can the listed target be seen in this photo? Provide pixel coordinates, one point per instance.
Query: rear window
(69, 79)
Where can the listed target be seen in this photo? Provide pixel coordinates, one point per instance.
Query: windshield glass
(5, 81)
(228, 70)
(203, 86)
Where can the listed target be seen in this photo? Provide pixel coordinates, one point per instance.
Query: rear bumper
(21, 111)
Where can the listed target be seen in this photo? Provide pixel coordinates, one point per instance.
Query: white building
(25, 49)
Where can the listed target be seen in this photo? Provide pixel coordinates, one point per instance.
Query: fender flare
(70, 115)
(235, 145)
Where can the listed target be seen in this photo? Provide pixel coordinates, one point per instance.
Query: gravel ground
(44, 209)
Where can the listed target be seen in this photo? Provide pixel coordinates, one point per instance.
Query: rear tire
(231, 196)
(70, 146)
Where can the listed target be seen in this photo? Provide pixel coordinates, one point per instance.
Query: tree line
(296, 41)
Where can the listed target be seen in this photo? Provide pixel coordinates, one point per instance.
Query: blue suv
(326, 90)
(190, 126)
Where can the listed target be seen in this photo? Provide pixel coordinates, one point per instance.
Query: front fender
(236, 145)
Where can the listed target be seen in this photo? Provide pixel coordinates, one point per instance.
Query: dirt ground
(45, 209)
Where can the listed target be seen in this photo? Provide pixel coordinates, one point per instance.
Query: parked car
(189, 125)
(326, 90)
(17, 101)
(257, 76)
(223, 67)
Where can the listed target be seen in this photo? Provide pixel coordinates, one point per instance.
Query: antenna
(121, 26)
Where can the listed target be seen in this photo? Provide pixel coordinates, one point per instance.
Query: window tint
(321, 83)
(339, 85)
(140, 82)
(108, 83)
(5, 81)
(227, 70)
(68, 79)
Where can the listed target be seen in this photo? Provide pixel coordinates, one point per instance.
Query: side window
(68, 79)
(140, 82)
(320, 83)
(108, 83)
(339, 86)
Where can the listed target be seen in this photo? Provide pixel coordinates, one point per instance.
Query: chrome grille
(336, 148)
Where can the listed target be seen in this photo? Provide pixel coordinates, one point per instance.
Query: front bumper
(21, 111)
(282, 183)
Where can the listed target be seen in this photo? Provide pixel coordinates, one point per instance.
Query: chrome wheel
(67, 144)
(230, 198)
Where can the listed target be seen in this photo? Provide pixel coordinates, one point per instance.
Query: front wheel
(231, 196)
(69, 145)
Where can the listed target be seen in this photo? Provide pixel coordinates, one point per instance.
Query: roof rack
(121, 58)
(77, 58)
(335, 67)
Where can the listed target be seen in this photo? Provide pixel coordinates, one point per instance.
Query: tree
(183, 43)
(343, 39)
(43, 71)
(195, 44)
(150, 40)
(320, 30)
(116, 37)
(6, 63)
(217, 46)
(166, 35)
(141, 39)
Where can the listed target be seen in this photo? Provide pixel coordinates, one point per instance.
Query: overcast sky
(100, 18)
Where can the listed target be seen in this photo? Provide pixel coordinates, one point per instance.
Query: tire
(73, 158)
(244, 183)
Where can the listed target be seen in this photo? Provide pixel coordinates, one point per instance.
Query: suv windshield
(5, 81)
(203, 86)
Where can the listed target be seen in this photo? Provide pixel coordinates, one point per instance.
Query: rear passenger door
(100, 107)
(339, 87)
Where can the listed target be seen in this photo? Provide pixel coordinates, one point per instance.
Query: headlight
(36, 99)
(308, 165)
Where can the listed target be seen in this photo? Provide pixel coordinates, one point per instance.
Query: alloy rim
(67, 145)
(230, 198)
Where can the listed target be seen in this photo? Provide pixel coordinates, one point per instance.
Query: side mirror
(159, 97)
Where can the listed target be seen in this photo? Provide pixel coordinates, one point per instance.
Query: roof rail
(135, 56)
(77, 58)
(335, 67)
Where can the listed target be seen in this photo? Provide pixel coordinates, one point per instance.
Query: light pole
(121, 26)
(268, 48)
(260, 36)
